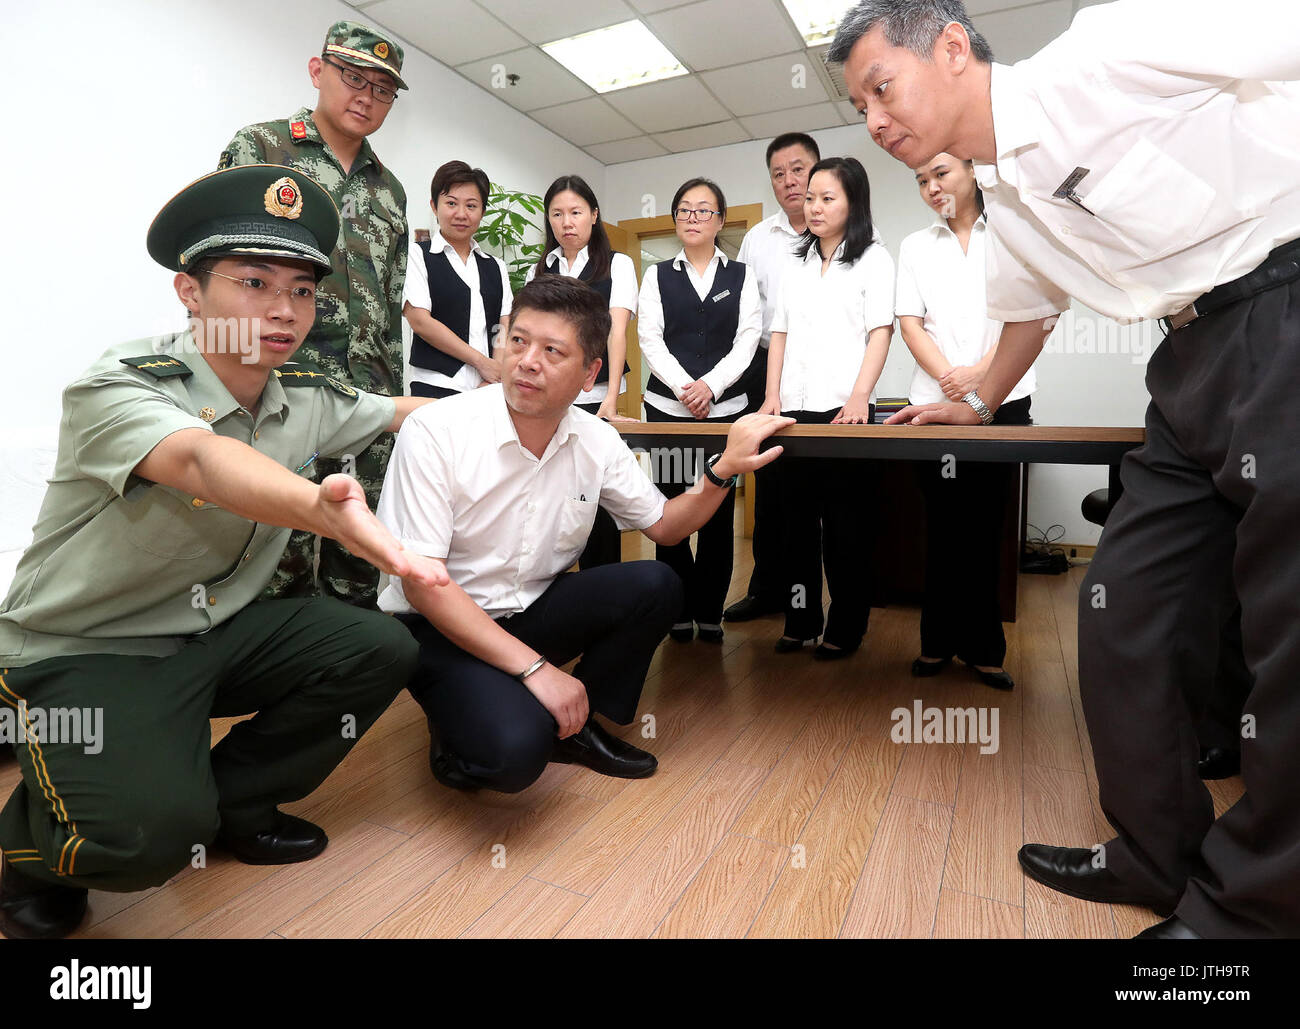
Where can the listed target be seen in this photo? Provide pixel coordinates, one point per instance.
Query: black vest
(451, 299)
(602, 287)
(699, 333)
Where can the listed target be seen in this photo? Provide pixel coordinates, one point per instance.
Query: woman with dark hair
(830, 337)
(699, 317)
(942, 315)
(577, 247)
(457, 298)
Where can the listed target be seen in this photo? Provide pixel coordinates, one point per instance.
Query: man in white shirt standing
(768, 249)
(502, 483)
(1147, 162)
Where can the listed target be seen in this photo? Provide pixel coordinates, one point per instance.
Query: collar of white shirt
(940, 225)
(1014, 125)
(579, 261)
(782, 224)
(503, 426)
(680, 261)
(437, 244)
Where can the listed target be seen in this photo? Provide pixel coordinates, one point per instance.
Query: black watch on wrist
(715, 478)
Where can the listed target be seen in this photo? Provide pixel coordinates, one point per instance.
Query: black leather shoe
(1173, 928)
(748, 608)
(1070, 870)
(444, 766)
(711, 635)
(682, 634)
(602, 752)
(785, 645)
(289, 840)
(825, 653)
(1219, 762)
(925, 669)
(998, 680)
(32, 909)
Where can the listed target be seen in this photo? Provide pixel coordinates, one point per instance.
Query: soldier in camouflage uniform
(358, 332)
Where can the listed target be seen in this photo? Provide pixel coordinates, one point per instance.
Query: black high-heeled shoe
(922, 669)
(786, 645)
(825, 653)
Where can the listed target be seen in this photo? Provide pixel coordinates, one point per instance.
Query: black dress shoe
(1070, 870)
(711, 635)
(925, 669)
(289, 840)
(602, 752)
(748, 608)
(1173, 928)
(785, 645)
(32, 909)
(998, 680)
(825, 653)
(682, 633)
(1219, 762)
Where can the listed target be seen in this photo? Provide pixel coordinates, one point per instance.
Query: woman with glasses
(457, 298)
(577, 247)
(830, 337)
(699, 317)
(942, 316)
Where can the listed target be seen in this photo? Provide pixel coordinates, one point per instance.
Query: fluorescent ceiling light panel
(616, 57)
(817, 20)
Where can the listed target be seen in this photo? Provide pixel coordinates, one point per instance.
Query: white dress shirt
(622, 294)
(1193, 158)
(826, 319)
(650, 331)
(944, 286)
(416, 293)
(768, 249)
(461, 487)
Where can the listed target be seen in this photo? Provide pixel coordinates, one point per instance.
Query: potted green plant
(504, 227)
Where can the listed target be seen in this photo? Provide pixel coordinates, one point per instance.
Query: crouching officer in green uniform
(179, 475)
(357, 337)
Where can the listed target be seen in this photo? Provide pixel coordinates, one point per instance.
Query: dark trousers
(765, 579)
(829, 518)
(1220, 724)
(965, 507)
(1210, 502)
(605, 544)
(317, 672)
(489, 722)
(706, 573)
(423, 389)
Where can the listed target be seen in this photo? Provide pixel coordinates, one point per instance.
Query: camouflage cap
(262, 209)
(364, 47)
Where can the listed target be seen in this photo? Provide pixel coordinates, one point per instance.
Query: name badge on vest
(721, 296)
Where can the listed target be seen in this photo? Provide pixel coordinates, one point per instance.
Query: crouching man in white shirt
(503, 483)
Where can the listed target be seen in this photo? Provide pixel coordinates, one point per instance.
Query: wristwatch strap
(715, 478)
(973, 399)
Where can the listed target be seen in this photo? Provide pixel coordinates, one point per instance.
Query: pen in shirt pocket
(307, 464)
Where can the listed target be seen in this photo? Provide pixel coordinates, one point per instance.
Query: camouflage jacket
(358, 331)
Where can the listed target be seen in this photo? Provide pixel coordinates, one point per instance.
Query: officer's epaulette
(299, 374)
(160, 366)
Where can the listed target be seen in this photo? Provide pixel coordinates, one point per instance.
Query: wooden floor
(781, 807)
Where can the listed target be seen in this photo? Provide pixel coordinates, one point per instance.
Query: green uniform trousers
(317, 672)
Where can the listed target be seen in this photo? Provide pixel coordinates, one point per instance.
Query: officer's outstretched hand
(348, 519)
(743, 440)
(935, 414)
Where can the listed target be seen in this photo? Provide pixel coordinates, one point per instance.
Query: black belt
(1281, 266)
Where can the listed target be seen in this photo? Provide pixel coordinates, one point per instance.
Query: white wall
(1074, 387)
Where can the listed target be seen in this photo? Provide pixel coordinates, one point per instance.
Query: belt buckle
(1186, 316)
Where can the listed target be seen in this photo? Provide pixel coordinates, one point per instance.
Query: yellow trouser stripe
(38, 762)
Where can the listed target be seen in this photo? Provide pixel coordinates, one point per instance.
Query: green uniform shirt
(120, 565)
(357, 336)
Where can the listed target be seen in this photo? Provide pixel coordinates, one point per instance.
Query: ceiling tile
(650, 6)
(584, 122)
(462, 31)
(799, 119)
(546, 22)
(671, 104)
(626, 150)
(704, 35)
(542, 82)
(774, 84)
(1017, 34)
(702, 136)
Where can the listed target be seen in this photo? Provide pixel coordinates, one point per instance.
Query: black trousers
(423, 389)
(705, 574)
(965, 505)
(492, 726)
(605, 544)
(1220, 724)
(1210, 502)
(829, 518)
(765, 579)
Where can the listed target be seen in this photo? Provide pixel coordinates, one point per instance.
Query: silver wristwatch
(979, 407)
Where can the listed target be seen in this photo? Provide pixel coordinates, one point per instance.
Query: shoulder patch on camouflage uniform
(160, 366)
(298, 129)
(310, 375)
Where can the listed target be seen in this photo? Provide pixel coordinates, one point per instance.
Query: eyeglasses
(303, 295)
(685, 214)
(359, 82)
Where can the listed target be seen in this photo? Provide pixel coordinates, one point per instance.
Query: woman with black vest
(457, 298)
(577, 247)
(699, 317)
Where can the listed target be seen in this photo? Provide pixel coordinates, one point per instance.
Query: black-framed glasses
(686, 214)
(359, 82)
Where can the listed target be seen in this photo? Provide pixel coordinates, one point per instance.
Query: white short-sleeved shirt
(1189, 141)
(944, 286)
(416, 293)
(650, 331)
(768, 250)
(826, 319)
(622, 294)
(461, 487)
